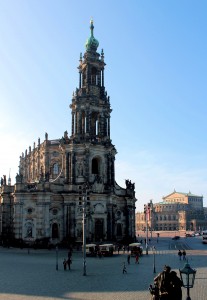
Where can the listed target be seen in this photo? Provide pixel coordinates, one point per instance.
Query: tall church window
(55, 233)
(95, 166)
(94, 76)
(55, 169)
(29, 230)
(119, 229)
(94, 123)
(98, 229)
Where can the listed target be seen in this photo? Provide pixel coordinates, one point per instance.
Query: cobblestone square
(33, 275)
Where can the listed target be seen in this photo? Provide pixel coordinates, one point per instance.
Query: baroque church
(57, 176)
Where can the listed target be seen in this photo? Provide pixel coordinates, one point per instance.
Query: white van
(106, 249)
(91, 249)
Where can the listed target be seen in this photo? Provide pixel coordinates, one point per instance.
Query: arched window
(55, 169)
(99, 229)
(55, 233)
(119, 229)
(29, 230)
(94, 76)
(95, 166)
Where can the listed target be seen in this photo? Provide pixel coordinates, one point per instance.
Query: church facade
(57, 175)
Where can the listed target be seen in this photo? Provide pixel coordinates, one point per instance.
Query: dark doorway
(55, 233)
(95, 166)
(98, 229)
(119, 230)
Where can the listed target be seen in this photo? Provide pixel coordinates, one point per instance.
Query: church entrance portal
(99, 230)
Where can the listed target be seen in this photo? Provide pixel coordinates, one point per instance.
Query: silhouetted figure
(184, 255)
(175, 286)
(124, 269)
(163, 283)
(179, 254)
(65, 264)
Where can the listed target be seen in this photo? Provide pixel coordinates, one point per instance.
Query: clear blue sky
(156, 76)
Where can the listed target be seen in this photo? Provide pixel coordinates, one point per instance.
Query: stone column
(73, 117)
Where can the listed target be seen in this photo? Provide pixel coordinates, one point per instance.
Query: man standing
(163, 283)
(128, 259)
(179, 254)
(184, 255)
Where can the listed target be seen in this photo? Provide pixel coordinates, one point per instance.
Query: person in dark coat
(69, 262)
(179, 254)
(163, 283)
(184, 255)
(65, 264)
(176, 284)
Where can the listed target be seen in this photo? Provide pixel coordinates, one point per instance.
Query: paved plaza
(33, 275)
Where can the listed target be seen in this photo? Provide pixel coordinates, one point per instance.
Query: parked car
(176, 237)
(189, 234)
(197, 233)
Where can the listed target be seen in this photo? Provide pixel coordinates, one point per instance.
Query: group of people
(136, 258)
(182, 254)
(167, 285)
(67, 262)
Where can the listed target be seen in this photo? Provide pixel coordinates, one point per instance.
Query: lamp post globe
(187, 275)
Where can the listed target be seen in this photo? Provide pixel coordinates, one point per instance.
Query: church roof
(189, 194)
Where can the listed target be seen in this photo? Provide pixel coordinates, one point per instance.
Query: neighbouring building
(54, 176)
(177, 211)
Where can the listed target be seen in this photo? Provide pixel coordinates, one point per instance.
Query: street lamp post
(84, 227)
(147, 237)
(56, 249)
(150, 211)
(154, 252)
(187, 275)
(146, 220)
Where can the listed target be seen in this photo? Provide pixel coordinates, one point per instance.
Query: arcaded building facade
(55, 175)
(177, 211)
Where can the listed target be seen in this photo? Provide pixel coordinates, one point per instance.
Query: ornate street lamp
(154, 252)
(85, 190)
(56, 250)
(187, 275)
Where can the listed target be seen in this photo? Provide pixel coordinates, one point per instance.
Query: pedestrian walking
(179, 254)
(69, 253)
(65, 264)
(99, 254)
(69, 263)
(184, 255)
(124, 271)
(137, 259)
(128, 259)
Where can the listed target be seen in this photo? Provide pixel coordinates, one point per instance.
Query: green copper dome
(91, 43)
